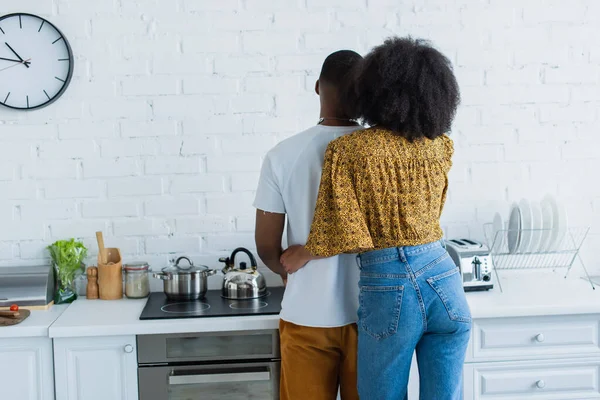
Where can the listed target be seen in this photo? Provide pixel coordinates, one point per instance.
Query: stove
(212, 305)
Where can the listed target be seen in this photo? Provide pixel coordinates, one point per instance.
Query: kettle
(243, 282)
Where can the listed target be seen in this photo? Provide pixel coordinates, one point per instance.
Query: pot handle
(208, 271)
(183, 258)
(162, 276)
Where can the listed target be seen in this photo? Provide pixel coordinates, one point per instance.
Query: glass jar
(137, 285)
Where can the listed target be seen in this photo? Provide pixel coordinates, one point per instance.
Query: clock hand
(18, 62)
(10, 59)
(18, 56)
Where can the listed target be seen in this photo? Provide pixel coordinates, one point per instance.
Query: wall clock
(36, 62)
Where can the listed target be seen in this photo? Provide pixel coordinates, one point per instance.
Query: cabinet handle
(540, 338)
(128, 348)
(540, 384)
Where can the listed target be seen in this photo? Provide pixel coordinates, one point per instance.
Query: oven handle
(219, 378)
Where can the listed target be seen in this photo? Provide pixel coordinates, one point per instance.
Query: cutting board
(31, 308)
(8, 321)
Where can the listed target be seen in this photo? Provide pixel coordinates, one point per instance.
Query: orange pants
(316, 361)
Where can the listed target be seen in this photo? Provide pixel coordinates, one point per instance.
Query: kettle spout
(228, 264)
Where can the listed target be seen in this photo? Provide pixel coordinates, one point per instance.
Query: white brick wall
(158, 140)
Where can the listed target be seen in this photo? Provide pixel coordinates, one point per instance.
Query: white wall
(158, 140)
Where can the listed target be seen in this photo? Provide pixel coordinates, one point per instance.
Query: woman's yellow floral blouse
(379, 190)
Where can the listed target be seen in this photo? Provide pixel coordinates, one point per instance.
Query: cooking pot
(184, 283)
(243, 282)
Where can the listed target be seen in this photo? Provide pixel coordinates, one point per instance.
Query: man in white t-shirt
(318, 317)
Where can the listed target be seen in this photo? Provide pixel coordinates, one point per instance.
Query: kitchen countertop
(526, 293)
(121, 317)
(536, 293)
(36, 325)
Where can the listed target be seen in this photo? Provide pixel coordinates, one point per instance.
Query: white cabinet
(498, 339)
(557, 380)
(26, 369)
(546, 358)
(96, 368)
(413, 380)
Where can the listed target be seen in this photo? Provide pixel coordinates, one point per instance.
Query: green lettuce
(67, 256)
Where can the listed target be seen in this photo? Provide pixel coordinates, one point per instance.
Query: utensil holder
(110, 275)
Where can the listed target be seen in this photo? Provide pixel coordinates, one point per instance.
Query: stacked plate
(532, 227)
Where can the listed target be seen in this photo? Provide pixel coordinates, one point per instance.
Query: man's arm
(268, 235)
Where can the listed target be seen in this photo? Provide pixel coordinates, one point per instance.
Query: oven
(216, 365)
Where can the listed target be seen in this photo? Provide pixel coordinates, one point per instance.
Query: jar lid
(136, 266)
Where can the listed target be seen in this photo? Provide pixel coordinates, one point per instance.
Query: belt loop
(358, 261)
(401, 254)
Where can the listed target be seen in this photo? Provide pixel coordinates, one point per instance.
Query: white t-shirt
(324, 293)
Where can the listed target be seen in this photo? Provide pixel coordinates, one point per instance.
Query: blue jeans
(411, 298)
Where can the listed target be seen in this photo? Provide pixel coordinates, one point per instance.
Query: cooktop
(212, 305)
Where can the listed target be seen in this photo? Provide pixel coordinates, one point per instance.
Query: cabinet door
(544, 380)
(96, 368)
(26, 369)
(563, 336)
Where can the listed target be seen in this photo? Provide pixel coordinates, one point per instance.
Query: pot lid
(180, 270)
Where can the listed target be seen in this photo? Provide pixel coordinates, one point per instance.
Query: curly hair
(407, 86)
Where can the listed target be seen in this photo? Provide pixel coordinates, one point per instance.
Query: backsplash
(159, 138)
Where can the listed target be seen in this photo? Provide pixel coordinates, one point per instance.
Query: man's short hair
(337, 68)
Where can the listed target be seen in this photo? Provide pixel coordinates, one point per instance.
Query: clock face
(36, 62)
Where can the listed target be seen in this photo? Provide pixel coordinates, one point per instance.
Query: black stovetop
(213, 305)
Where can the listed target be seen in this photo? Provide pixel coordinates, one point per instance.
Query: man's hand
(294, 258)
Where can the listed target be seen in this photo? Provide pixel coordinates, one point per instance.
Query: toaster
(474, 262)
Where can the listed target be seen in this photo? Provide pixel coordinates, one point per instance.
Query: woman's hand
(295, 257)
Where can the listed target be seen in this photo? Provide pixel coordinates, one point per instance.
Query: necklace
(323, 119)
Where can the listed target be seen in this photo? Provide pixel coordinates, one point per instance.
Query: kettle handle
(253, 263)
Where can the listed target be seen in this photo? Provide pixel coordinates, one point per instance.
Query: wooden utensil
(110, 275)
(101, 248)
(9, 314)
(8, 321)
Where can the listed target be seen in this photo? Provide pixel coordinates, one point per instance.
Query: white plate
(563, 222)
(526, 225)
(514, 229)
(547, 216)
(559, 224)
(498, 233)
(537, 226)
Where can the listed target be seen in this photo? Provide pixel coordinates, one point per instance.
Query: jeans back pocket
(379, 312)
(449, 288)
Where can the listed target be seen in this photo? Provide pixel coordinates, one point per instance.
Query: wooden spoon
(100, 240)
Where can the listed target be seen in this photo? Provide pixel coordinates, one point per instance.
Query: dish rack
(562, 254)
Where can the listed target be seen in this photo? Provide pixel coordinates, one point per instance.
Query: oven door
(242, 381)
(211, 347)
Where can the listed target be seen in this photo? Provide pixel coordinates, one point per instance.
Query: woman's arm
(338, 225)
(296, 257)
